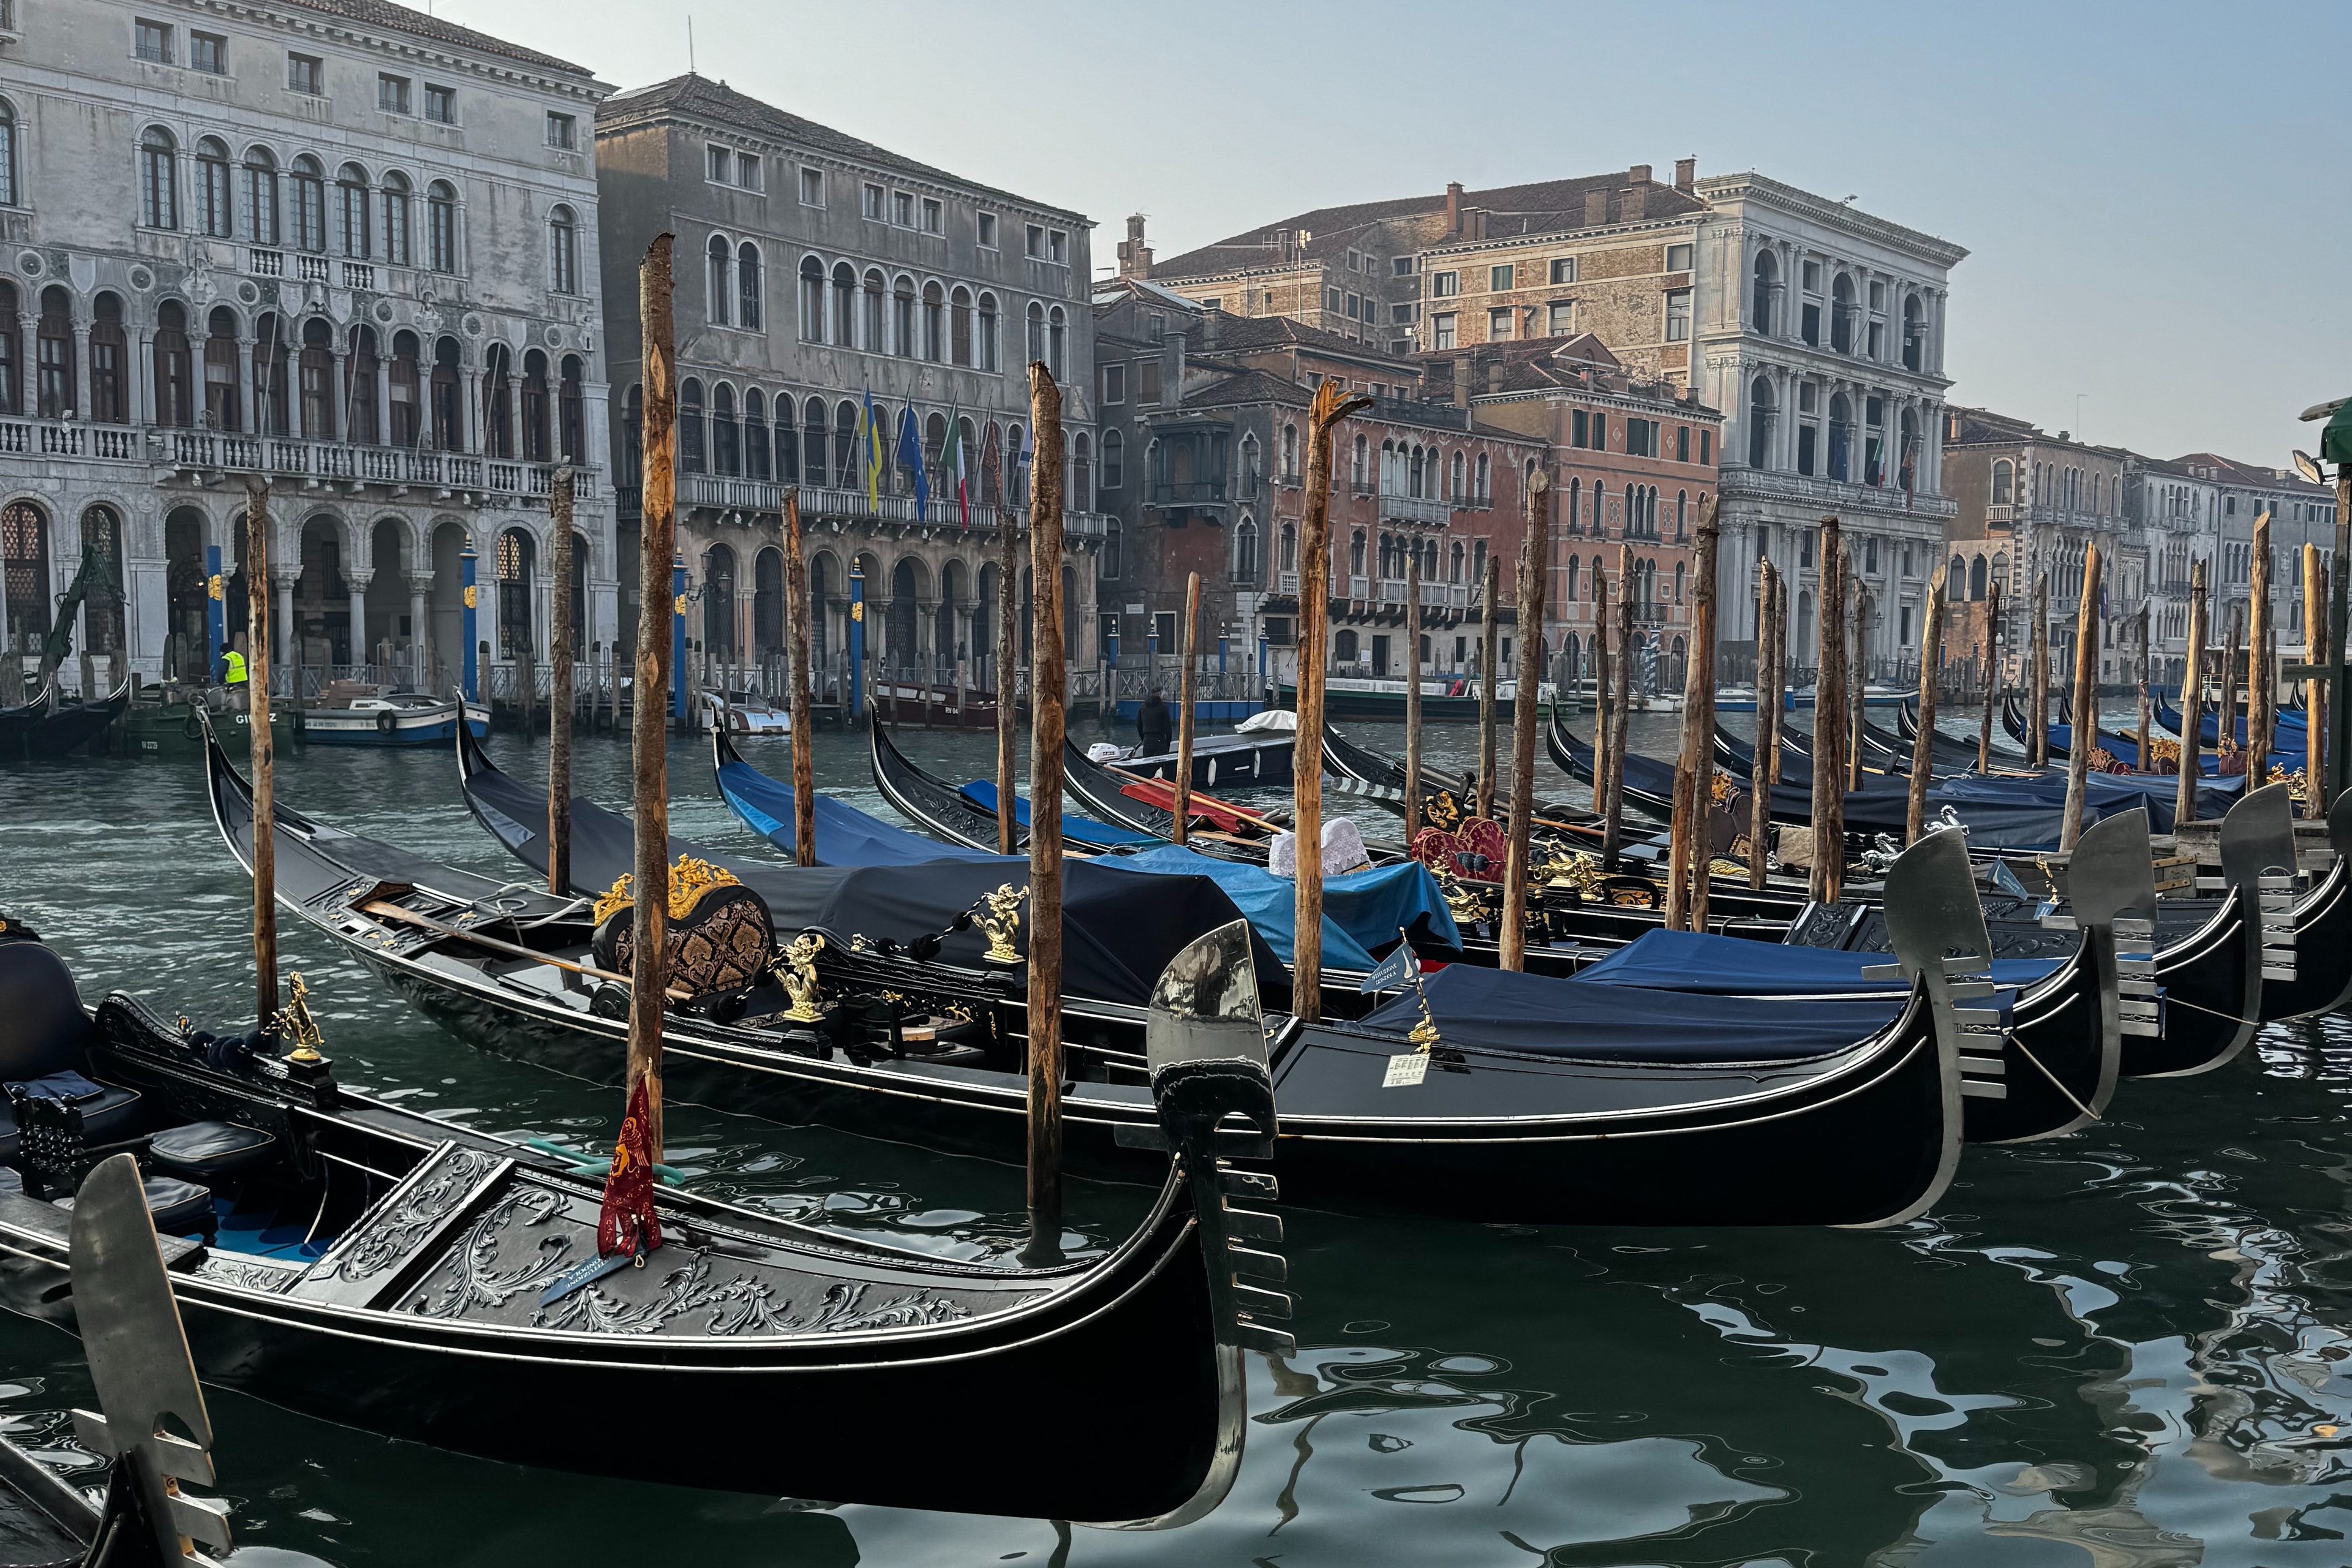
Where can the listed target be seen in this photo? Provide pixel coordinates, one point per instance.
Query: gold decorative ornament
(1718, 788)
(212, 587)
(795, 970)
(1466, 903)
(690, 879)
(2298, 785)
(857, 611)
(1565, 867)
(1000, 924)
(470, 596)
(294, 1022)
(2166, 755)
(679, 606)
(858, 942)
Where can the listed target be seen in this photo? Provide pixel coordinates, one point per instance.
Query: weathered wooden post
(648, 967)
(2192, 701)
(2315, 691)
(1489, 656)
(2085, 737)
(1992, 677)
(1857, 666)
(2261, 692)
(1686, 853)
(1008, 646)
(1330, 407)
(1534, 570)
(1923, 757)
(1603, 705)
(796, 616)
(2037, 738)
(1827, 879)
(1768, 719)
(1184, 678)
(259, 755)
(2146, 720)
(1412, 699)
(1613, 823)
(561, 612)
(1047, 679)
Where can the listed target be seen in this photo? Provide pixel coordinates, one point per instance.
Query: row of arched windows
(884, 315)
(1578, 581)
(1970, 578)
(1407, 469)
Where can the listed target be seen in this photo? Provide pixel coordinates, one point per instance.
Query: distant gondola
(1104, 793)
(72, 727)
(947, 812)
(17, 722)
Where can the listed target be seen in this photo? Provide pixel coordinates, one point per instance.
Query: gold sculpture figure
(689, 880)
(1000, 924)
(294, 1022)
(795, 970)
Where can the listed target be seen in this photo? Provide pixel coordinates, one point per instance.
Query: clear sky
(2154, 195)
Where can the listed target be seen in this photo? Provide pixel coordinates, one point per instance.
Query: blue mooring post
(677, 639)
(473, 668)
(216, 614)
(856, 642)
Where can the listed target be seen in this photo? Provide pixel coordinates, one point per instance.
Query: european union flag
(910, 457)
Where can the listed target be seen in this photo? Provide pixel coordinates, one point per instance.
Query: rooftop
(423, 24)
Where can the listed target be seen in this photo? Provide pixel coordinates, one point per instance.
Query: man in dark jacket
(1153, 724)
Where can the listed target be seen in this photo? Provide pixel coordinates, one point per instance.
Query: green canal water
(2124, 1347)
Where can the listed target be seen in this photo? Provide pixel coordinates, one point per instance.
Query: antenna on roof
(690, 43)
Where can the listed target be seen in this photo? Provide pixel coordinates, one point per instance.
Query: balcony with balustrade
(729, 498)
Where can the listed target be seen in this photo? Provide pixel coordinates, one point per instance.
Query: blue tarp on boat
(981, 793)
(1540, 1014)
(845, 835)
(1732, 966)
(1359, 912)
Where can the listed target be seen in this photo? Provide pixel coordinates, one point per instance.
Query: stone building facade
(815, 272)
(337, 246)
(1820, 333)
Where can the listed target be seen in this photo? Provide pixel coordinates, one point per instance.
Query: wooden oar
(382, 911)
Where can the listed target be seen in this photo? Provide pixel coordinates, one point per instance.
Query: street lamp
(2335, 446)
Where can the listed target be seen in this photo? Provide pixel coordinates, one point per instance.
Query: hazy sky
(2154, 195)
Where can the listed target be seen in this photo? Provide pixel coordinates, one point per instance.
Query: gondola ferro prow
(1205, 1040)
(2111, 895)
(1938, 929)
(2258, 864)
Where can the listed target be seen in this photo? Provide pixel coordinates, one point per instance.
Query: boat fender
(386, 721)
(609, 999)
(191, 728)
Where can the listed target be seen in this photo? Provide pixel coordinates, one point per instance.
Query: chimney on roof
(1634, 205)
(1462, 381)
(1210, 324)
(1494, 375)
(1454, 207)
(1639, 174)
(1685, 175)
(1596, 208)
(1134, 256)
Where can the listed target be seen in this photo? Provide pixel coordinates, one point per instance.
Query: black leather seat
(209, 1151)
(45, 1031)
(181, 1208)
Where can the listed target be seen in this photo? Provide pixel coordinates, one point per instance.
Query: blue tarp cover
(1540, 1014)
(981, 793)
(845, 835)
(1732, 966)
(2103, 793)
(1359, 912)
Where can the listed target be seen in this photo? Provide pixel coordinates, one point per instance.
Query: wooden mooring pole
(2315, 691)
(648, 977)
(1184, 678)
(1413, 698)
(1687, 856)
(1603, 706)
(1008, 646)
(1923, 748)
(1768, 719)
(1489, 656)
(1048, 678)
(561, 612)
(2261, 690)
(2192, 701)
(1533, 570)
(1827, 878)
(796, 614)
(1992, 679)
(259, 755)
(2085, 736)
(2037, 736)
(1330, 407)
(1613, 822)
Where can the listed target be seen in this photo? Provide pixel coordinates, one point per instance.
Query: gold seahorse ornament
(1000, 924)
(795, 970)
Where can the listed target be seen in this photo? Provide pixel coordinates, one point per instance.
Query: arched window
(1289, 454)
(1569, 587)
(2004, 479)
(1768, 271)
(1955, 577)
(690, 448)
(718, 287)
(448, 412)
(871, 316)
(516, 554)
(1977, 578)
(109, 361)
(174, 384)
(813, 468)
(1082, 474)
(1056, 343)
(845, 454)
(53, 346)
(158, 179)
(902, 317)
(811, 300)
(726, 442)
(9, 197)
(1678, 584)
(221, 402)
(1454, 490)
(535, 422)
(393, 203)
(934, 324)
(1289, 547)
(1356, 553)
(25, 558)
(359, 415)
(1486, 490)
(310, 205)
(571, 412)
(1036, 332)
(844, 307)
(986, 346)
(1108, 560)
(788, 440)
(216, 211)
(1245, 551)
(562, 251)
(441, 226)
(261, 197)
(755, 434)
(751, 288)
(1759, 409)
(1914, 333)
(1114, 461)
(935, 445)
(959, 326)
(498, 401)
(352, 210)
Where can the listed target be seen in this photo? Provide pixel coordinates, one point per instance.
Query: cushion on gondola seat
(42, 1028)
(180, 1208)
(208, 1150)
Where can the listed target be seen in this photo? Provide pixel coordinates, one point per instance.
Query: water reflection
(2121, 1347)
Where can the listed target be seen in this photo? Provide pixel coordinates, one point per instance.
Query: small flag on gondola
(627, 1223)
(1394, 974)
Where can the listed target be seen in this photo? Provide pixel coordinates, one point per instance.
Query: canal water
(2124, 1347)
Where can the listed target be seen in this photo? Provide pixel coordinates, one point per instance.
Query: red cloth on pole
(628, 1218)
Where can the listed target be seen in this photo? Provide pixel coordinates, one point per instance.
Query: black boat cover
(1541, 1015)
(1733, 966)
(1119, 929)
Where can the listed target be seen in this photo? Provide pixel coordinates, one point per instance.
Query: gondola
(1104, 793)
(17, 722)
(940, 809)
(73, 726)
(371, 1266)
(1222, 762)
(1382, 777)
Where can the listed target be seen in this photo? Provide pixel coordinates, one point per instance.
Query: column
(420, 585)
(339, 401)
(361, 650)
(285, 638)
(139, 407)
(81, 398)
(473, 410)
(382, 435)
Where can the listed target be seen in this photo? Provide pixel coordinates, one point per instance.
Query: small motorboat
(747, 713)
(367, 716)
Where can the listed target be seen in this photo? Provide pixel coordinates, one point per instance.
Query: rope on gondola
(2208, 1012)
(2029, 1056)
